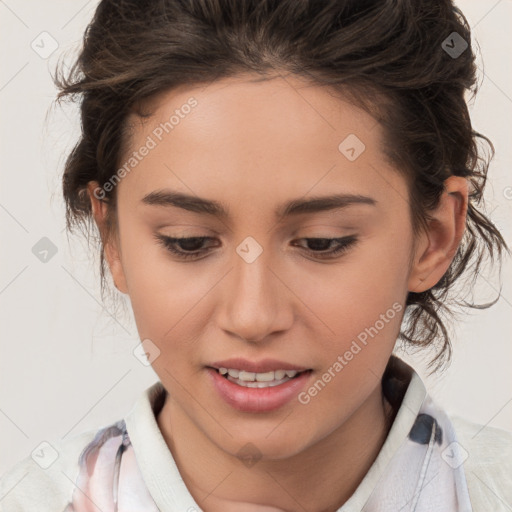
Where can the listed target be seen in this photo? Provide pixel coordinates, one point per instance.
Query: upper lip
(265, 365)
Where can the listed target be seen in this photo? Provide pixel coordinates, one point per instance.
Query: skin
(253, 146)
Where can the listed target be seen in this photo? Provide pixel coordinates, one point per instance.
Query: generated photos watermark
(343, 360)
(151, 142)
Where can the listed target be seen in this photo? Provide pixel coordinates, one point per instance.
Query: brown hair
(388, 56)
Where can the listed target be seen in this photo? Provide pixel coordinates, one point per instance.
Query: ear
(436, 248)
(110, 246)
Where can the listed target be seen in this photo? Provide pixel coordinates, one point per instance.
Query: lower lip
(257, 399)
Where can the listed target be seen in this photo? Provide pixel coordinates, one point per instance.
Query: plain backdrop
(67, 362)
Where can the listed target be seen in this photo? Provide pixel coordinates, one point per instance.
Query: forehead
(286, 106)
(256, 137)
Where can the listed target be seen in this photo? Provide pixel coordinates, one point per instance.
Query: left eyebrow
(166, 197)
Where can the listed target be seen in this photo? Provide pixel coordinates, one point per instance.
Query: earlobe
(116, 268)
(437, 247)
(111, 251)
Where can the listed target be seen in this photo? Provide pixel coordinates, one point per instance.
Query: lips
(255, 396)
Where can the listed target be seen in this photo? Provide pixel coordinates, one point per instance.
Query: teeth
(266, 377)
(249, 384)
(246, 376)
(253, 379)
(279, 374)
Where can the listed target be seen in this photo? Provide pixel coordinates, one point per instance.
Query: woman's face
(260, 291)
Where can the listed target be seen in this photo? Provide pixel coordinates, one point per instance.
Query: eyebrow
(166, 197)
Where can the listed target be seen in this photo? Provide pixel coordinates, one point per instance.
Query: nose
(254, 301)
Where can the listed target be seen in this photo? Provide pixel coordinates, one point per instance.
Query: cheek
(353, 293)
(170, 301)
(160, 293)
(360, 303)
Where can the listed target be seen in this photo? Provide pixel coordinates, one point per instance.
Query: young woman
(283, 189)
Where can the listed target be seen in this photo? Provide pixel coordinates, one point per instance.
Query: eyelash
(345, 243)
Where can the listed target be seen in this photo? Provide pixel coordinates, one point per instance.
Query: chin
(257, 443)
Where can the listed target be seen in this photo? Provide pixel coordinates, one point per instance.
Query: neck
(321, 477)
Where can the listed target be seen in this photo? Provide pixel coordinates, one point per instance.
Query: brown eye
(320, 246)
(191, 247)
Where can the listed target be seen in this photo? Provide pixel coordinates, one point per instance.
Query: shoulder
(45, 480)
(488, 464)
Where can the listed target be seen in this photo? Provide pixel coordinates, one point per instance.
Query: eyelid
(344, 244)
